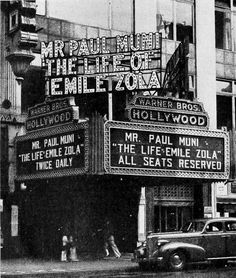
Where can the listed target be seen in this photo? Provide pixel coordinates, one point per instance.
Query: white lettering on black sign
(62, 151)
(145, 149)
(133, 62)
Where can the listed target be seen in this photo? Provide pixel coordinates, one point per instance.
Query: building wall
(205, 57)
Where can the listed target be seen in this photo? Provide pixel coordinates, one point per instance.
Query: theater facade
(145, 171)
(104, 118)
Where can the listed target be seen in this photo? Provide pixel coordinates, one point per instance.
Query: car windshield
(193, 226)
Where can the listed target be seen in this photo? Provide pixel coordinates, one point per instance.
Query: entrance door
(171, 218)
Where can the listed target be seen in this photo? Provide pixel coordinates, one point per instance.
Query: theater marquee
(53, 152)
(151, 150)
(167, 111)
(74, 67)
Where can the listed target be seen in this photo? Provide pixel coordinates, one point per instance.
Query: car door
(230, 233)
(213, 240)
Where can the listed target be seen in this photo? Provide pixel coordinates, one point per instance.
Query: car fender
(192, 251)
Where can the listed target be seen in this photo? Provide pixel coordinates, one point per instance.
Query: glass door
(171, 218)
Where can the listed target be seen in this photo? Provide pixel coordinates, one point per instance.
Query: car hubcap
(176, 260)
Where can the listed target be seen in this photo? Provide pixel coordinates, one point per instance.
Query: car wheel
(176, 261)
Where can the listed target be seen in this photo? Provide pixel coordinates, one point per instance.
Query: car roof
(215, 219)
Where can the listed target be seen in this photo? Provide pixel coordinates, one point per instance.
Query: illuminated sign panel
(132, 62)
(164, 110)
(61, 151)
(139, 149)
(52, 113)
(161, 117)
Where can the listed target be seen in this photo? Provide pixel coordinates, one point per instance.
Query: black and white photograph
(118, 138)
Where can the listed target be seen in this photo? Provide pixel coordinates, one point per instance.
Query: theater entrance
(171, 218)
(174, 205)
(78, 206)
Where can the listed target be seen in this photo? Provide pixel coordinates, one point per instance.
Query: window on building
(226, 104)
(165, 18)
(171, 218)
(184, 21)
(13, 20)
(224, 112)
(225, 24)
(175, 19)
(115, 14)
(223, 32)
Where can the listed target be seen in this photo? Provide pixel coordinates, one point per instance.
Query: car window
(230, 226)
(214, 227)
(193, 227)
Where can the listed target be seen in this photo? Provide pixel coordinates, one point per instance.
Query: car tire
(176, 261)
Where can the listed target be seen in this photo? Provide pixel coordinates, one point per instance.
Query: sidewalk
(32, 268)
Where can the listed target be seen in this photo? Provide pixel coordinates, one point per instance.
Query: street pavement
(110, 267)
(51, 268)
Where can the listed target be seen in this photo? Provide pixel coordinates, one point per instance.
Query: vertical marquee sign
(151, 150)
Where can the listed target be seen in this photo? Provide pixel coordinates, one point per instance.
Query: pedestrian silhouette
(109, 240)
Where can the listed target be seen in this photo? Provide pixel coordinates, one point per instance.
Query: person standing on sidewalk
(109, 240)
(64, 250)
(72, 252)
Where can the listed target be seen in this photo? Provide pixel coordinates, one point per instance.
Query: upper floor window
(13, 20)
(175, 19)
(184, 21)
(115, 14)
(225, 24)
(165, 18)
(226, 104)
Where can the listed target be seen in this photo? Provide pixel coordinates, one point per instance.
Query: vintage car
(211, 239)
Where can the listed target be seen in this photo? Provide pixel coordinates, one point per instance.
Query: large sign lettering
(53, 153)
(52, 113)
(164, 110)
(139, 149)
(132, 62)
